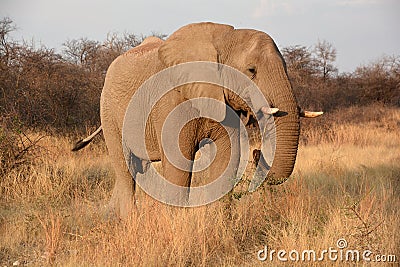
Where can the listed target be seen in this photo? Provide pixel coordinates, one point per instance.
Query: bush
(60, 92)
(16, 148)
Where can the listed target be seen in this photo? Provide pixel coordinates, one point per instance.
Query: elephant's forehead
(254, 36)
(257, 44)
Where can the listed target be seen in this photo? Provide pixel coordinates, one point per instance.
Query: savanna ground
(345, 185)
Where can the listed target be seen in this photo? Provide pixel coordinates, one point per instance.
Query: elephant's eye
(253, 72)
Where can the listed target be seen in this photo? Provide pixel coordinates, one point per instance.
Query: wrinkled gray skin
(252, 52)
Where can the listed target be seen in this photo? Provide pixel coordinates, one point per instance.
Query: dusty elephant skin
(252, 52)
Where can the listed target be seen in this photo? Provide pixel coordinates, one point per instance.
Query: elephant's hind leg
(122, 199)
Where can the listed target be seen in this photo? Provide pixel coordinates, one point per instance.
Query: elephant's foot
(120, 206)
(109, 213)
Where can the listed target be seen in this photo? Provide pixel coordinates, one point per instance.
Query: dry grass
(345, 185)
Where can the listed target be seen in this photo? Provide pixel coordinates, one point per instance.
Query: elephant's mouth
(263, 169)
(256, 156)
(259, 161)
(263, 156)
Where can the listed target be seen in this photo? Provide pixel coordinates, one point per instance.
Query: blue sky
(361, 30)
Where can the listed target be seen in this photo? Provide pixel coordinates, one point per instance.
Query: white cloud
(357, 2)
(273, 7)
(261, 9)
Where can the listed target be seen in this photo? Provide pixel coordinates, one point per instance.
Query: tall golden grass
(345, 185)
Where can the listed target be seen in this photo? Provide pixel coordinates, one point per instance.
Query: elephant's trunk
(287, 125)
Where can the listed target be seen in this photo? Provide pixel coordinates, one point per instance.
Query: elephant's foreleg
(224, 168)
(177, 161)
(227, 156)
(178, 194)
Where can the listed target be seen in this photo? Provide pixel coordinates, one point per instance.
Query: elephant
(253, 53)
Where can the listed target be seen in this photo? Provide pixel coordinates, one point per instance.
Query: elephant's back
(126, 74)
(149, 44)
(136, 65)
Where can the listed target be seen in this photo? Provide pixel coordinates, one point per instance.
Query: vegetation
(345, 183)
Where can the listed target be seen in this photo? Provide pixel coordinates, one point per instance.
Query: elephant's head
(255, 54)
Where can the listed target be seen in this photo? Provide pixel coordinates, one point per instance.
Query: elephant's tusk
(269, 111)
(310, 114)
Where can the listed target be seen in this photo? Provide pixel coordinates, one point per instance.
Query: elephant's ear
(196, 42)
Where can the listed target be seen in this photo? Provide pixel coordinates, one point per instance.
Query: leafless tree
(325, 56)
(299, 63)
(81, 51)
(6, 27)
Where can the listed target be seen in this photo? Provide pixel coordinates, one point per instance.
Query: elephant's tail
(84, 142)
